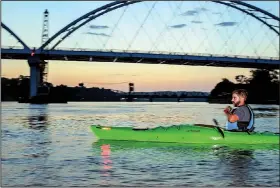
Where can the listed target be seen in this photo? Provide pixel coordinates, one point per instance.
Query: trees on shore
(15, 88)
(262, 87)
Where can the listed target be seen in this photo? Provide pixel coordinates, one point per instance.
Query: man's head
(239, 97)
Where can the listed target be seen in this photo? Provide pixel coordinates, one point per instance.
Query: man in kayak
(241, 118)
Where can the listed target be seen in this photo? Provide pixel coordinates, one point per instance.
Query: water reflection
(37, 145)
(38, 118)
(106, 163)
(220, 165)
(236, 165)
(105, 154)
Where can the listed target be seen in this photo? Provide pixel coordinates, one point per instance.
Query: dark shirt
(243, 113)
(244, 116)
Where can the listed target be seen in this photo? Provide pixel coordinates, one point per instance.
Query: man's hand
(231, 117)
(227, 110)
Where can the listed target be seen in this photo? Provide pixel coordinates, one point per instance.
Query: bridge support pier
(40, 91)
(36, 65)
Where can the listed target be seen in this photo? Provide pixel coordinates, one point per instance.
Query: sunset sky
(189, 27)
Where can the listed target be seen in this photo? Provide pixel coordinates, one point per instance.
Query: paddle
(218, 128)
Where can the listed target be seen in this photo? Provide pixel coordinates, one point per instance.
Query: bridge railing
(12, 47)
(169, 53)
(155, 52)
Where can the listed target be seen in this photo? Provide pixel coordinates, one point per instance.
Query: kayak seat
(140, 129)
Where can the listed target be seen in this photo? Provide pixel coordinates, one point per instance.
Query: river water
(52, 145)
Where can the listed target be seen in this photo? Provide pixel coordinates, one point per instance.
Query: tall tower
(45, 37)
(130, 90)
(131, 87)
(39, 68)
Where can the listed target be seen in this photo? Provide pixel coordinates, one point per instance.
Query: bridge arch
(70, 28)
(14, 35)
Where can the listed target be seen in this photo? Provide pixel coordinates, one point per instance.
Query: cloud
(202, 9)
(194, 12)
(98, 27)
(225, 24)
(178, 26)
(197, 22)
(216, 13)
(98, 34)
(190, 13)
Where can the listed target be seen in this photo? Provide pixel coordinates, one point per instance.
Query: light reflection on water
(51, 145)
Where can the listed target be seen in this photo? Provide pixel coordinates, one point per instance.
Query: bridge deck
(148, 58)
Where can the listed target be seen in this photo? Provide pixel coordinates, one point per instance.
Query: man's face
(235, 99)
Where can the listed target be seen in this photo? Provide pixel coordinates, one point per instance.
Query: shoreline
(141, 101)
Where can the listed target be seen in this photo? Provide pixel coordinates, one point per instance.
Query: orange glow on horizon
(146, 77)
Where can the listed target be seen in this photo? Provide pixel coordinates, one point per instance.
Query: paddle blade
(215, 122)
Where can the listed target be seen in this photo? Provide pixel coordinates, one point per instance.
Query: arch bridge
(37, 57)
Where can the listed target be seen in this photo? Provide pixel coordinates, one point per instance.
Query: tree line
(262, 87)
(19, 88)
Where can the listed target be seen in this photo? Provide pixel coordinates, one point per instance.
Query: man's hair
(241, 92)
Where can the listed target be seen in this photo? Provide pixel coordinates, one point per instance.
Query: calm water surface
(52, 145)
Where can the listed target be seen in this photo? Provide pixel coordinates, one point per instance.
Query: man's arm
(231, 117)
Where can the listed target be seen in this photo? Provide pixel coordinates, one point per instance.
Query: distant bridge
(164, 96)
(167, 94)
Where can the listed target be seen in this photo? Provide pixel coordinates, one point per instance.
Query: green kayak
(192, 134)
